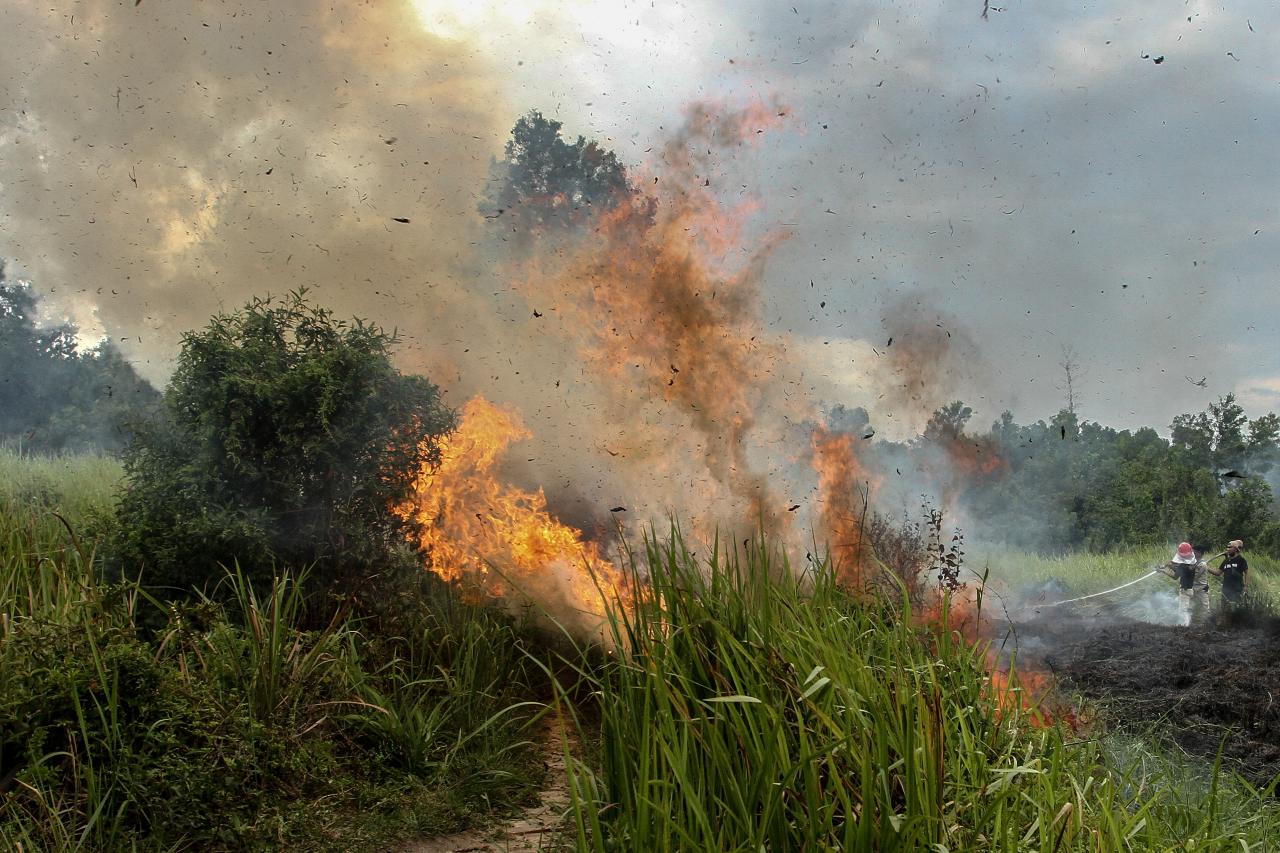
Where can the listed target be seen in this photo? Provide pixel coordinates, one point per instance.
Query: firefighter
(1232, 570)
(1193, 587)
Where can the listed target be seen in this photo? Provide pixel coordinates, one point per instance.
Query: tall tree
(545, 184)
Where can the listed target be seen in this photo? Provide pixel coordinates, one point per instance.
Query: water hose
(1123, 585)
(1104, 592)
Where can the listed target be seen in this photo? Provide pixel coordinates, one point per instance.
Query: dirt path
(533, 829)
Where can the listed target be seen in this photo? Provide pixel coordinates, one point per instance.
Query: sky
(1097, 175)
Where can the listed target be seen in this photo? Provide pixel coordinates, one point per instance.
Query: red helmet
(1184, 549)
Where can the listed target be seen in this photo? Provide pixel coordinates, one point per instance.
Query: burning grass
(744, 705)
(754, 708)
(497, 540)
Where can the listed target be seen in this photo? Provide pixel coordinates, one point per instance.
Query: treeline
(54, 395)
(1067, 483)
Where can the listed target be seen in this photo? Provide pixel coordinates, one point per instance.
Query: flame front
(495, 538)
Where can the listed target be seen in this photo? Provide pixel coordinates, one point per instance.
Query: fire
(496, 538)
(1028, 691)
(1031, 692)
(843, 512)
(657, 299)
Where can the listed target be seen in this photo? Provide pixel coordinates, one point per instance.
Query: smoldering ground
(1210, 689)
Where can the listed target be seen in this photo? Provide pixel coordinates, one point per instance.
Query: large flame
(656, 300)
(844, 491)
(496, 538)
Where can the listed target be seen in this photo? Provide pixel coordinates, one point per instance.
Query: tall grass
(77, 486)
(750, 709)
(229, 724)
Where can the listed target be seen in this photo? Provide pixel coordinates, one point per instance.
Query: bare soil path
(534, 829)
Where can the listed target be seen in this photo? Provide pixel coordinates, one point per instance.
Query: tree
(1072, 374)
(1194, 433)
(1263, 447)
(285, 436)
(55, 396)
(947, 423)
(546, 183)
(1229, 423)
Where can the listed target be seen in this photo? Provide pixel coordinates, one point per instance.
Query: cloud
(1259, 395)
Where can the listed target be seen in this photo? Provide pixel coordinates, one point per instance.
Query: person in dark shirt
(1233, 569)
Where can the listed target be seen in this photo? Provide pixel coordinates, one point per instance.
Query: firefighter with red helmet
(1193, 587)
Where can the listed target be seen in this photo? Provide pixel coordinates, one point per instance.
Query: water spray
(1104, 592)
(1156, 571)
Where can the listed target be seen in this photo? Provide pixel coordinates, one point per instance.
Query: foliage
(54, 396)
(1067, 484)
(234, 727)
(545, 184)
(284, 437)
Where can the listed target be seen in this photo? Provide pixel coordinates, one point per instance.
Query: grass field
(740, 709)
(1082, 574)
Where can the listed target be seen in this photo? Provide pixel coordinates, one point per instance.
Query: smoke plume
(162, 161)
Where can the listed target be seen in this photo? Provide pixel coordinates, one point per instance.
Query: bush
(284, 437)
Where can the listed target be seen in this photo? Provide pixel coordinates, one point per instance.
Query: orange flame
(843, 511)
(496, 538)
(659, 301)
(1030, 692)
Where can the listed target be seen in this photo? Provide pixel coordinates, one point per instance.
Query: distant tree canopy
(283, 438)
(1070, 484)
(55, 396)
(544, 183)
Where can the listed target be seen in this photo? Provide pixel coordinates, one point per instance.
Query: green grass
(741, 708)
(749, 710)
(75, 485)
(223, 722)
(1084, 573)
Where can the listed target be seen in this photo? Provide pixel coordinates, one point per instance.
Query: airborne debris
(400, 219)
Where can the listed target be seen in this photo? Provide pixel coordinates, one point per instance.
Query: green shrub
(284, 437)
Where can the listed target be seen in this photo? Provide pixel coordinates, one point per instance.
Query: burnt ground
(1205, 687)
